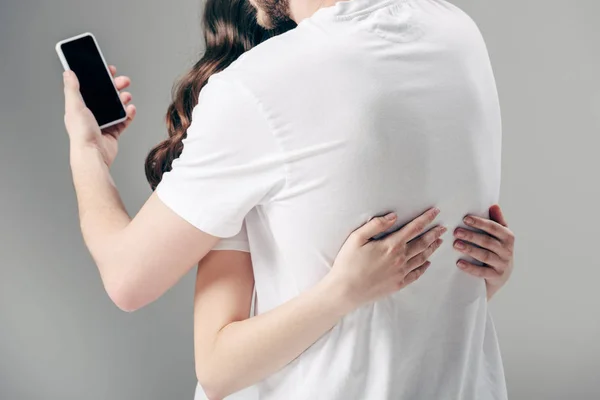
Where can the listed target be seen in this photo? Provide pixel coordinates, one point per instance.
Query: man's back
(376, 106)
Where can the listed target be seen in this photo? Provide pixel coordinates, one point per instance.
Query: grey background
(62, 338)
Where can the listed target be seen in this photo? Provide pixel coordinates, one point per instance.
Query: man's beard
(272, 14)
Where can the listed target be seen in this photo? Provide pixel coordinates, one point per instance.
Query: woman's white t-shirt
(366, 107)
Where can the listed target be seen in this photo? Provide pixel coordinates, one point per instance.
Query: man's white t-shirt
(368, 106)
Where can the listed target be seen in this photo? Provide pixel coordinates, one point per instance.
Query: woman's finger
(414, 228)
(497, 215)
(478, 270)
(418, 245)
(414, 275)
(121, 82)
(422, 257)
(117, 129)
(125, 97)
(489, 226)
(112, 69)
(131, 111)
(482, 240)
(483, 255)
(374, 227)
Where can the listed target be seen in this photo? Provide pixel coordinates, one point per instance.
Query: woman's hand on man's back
(367, 270)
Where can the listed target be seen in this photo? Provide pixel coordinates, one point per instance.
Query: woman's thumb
(375, 226)
(73, 98)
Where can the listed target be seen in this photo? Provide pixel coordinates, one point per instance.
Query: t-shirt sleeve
(238, 242)
(229, 164)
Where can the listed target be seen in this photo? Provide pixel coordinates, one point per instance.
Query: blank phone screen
(95, 83)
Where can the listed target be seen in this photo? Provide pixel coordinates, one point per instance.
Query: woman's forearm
(246, 352)
(231, 356)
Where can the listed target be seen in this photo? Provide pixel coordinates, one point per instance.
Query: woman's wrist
(336, 295)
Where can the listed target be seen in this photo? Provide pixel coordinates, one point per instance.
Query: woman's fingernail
(469, 220)
(390, 216)
(460, 233)
(459, 245)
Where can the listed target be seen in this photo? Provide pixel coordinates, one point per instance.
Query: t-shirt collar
(349, 8)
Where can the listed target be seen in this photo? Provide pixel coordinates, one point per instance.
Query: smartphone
(82, 55)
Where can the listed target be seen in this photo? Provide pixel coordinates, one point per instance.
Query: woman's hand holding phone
(82, 127)
(366, 270)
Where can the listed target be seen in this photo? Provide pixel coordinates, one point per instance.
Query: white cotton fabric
(366, 107)
(239, 242)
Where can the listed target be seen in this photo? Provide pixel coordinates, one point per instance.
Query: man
(367, 106)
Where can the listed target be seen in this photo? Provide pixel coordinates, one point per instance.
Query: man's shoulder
(278, 55)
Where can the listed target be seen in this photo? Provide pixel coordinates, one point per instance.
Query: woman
(233, 351)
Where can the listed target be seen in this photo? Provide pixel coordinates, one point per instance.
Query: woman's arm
(233, 351)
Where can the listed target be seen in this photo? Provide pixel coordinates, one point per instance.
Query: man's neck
(301, 9)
